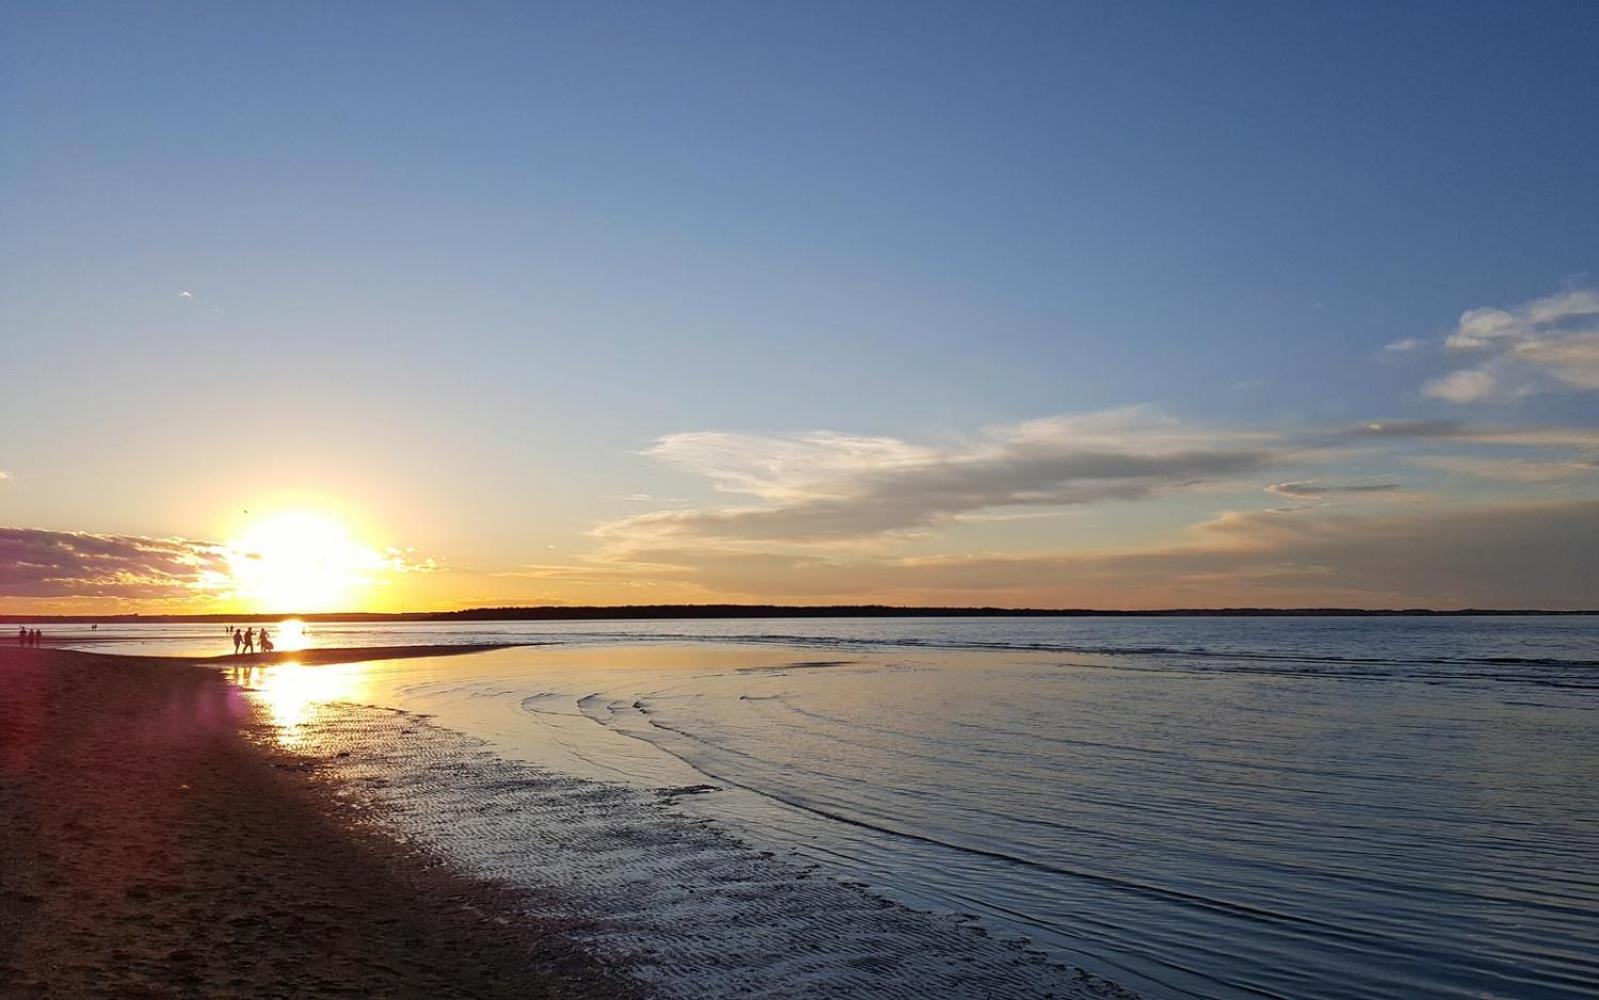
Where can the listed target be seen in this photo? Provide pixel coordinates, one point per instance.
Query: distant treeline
(637, 612)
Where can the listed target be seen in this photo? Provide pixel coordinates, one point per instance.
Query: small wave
(1086, 649)
(1167, 893)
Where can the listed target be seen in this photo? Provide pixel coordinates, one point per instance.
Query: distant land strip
(642, 612)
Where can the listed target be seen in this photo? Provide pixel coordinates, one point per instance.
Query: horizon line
(644, 612)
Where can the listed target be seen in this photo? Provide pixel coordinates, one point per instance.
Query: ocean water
(1197, 807)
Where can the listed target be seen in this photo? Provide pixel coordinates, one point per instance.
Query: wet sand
(154, 843)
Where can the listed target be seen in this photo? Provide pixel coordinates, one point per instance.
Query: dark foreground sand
(150, 847)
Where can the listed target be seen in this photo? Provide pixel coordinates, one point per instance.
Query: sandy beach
(155, 846)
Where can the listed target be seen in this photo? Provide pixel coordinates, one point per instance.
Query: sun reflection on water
(291, 635)
(292, 692)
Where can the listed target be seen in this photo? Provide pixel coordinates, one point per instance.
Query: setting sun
(301, 561)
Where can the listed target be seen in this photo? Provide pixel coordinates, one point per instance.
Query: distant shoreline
(681, 612)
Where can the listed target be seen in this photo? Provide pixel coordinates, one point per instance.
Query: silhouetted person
(238, 641)
(22, 636)
(266, 641)
(38, 634)
(249, 639)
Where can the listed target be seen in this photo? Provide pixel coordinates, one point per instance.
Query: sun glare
(301, 561)
(291, 636)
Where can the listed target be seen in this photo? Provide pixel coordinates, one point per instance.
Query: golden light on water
(292, 692)
(301, 561)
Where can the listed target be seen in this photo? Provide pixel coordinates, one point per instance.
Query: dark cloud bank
(37, 563)
(1528, 555)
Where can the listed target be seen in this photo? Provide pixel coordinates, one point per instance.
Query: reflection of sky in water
(291, 692)
(1193, 825)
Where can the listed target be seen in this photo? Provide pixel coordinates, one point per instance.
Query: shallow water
(1353, 644)
(1193, 807)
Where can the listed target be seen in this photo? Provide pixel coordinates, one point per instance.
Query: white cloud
(1470, 386)
(1548, 344)
(185, 295)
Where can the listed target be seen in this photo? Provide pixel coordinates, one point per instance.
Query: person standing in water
(249, 639)
(238, 641)
(266, 640)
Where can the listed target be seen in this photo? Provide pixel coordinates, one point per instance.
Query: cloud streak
(1450, 431)
(1515, 470)
(828, 487)
(1314, 490)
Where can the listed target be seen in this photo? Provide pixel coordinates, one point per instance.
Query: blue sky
(457, 269)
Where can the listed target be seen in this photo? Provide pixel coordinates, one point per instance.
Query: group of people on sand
(245, 641)
(29, 636)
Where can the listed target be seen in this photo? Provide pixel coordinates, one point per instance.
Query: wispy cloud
(1515, 470)
(824, 486)
(1547, 344)
(1316, 490)
(1455, 431)
(1399, 429)
(185, 295)
(1400, 348)
(642, 498)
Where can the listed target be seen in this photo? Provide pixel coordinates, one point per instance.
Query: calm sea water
(1223, 807)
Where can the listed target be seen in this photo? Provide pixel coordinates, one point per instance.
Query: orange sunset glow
(303, 561)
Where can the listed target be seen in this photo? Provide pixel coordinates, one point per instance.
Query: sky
(1123, 305)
